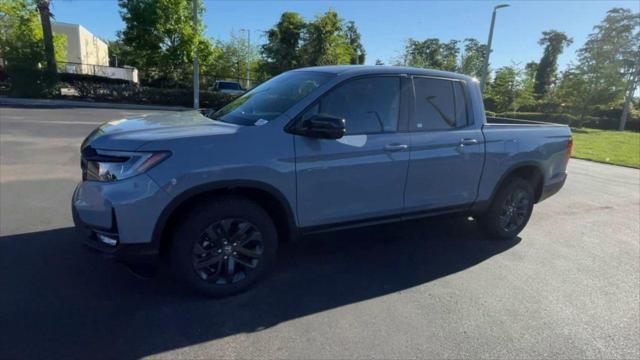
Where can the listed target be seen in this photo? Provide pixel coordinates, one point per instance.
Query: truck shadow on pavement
(60, 301)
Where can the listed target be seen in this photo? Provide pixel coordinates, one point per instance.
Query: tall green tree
(325, 42)
(230, 59)
(358, 53)
(607, 60)
(22, 48)
(160, 38)
(282, 50)
(473, 57)
(554, 43)
(47, 38)
(432, 54)
(504, 89)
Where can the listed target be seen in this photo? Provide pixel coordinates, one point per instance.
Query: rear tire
(223, 246)
(510, 210)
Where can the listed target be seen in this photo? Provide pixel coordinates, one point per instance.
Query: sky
(386, 25)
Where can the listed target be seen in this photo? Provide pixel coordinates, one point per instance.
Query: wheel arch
(530, 171)
(265, 195)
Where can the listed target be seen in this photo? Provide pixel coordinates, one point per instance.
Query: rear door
(447, 150)
(361, 175)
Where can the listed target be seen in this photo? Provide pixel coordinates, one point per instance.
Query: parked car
(228, 87)
(310, 150)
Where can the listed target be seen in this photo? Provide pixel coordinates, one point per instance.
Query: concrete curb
(49, 103)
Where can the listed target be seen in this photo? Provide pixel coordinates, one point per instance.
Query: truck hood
(129, 134)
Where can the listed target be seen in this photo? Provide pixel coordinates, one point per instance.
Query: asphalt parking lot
(568, 287)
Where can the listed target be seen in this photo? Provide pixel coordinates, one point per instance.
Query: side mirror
(206, 111)
(324, 127)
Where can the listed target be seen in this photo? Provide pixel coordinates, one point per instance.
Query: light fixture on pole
(485, 66)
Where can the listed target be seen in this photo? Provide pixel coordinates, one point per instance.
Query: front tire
(510, 210)
(224, 246)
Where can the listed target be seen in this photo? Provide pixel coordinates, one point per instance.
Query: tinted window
(270, 99)
(440, 104)
(369, 105)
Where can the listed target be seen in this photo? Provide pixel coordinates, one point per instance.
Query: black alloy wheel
(227, 251)
(514, 210)
(223, 245)
(510, 209)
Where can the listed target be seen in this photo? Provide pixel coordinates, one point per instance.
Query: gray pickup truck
(310, 150)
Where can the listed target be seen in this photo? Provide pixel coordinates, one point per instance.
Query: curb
(56, 104)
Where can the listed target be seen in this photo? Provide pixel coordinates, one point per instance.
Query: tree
(358, 53)
(325, 42)
(379, 62)
(281, 52)
(47, 38)
(22, 48)
(554, 43)
(230, 58)
(634, 79)
(473, 57)
(159, 39)
(432, 54)
(608, 60)
(504, 88)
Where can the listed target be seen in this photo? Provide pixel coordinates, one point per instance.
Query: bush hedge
(595, 122)
(128, 93)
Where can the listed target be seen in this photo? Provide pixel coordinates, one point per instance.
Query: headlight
(118, 165)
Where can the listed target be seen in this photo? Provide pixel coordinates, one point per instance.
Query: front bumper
(122, 213)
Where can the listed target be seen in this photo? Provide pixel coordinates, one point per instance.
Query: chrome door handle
(464, 142)
(396, 147)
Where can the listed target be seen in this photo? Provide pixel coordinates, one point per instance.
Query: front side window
(368, 105)
(272, 98)
(439, 104)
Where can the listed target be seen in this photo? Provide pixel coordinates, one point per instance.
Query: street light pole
(485, 66)
(248, 57)
(196, 64)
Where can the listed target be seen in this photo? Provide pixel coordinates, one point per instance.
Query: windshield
(272, 98)
(229, 86)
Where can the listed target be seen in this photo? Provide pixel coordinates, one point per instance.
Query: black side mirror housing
(206, 111)
(323, 127)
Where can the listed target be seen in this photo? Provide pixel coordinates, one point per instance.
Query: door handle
(396, 147)
(464, 142)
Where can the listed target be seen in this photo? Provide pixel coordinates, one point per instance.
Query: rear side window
(439, 105)
(368, 105)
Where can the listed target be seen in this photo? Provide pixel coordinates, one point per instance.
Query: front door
(361, 175)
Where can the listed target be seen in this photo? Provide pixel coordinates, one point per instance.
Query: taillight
(569, 149)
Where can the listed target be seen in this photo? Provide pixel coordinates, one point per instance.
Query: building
(89, 55)
(82, 46)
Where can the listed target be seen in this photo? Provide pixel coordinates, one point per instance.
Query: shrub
(604, 123)
(536, 116)
(129, 93)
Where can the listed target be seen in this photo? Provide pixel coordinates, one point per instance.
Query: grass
(607, 146)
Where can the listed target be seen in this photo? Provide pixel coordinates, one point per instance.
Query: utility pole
(196, 64)
(248, 84)
(485, 66)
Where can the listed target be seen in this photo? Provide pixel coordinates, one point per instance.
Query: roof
(381, 69)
